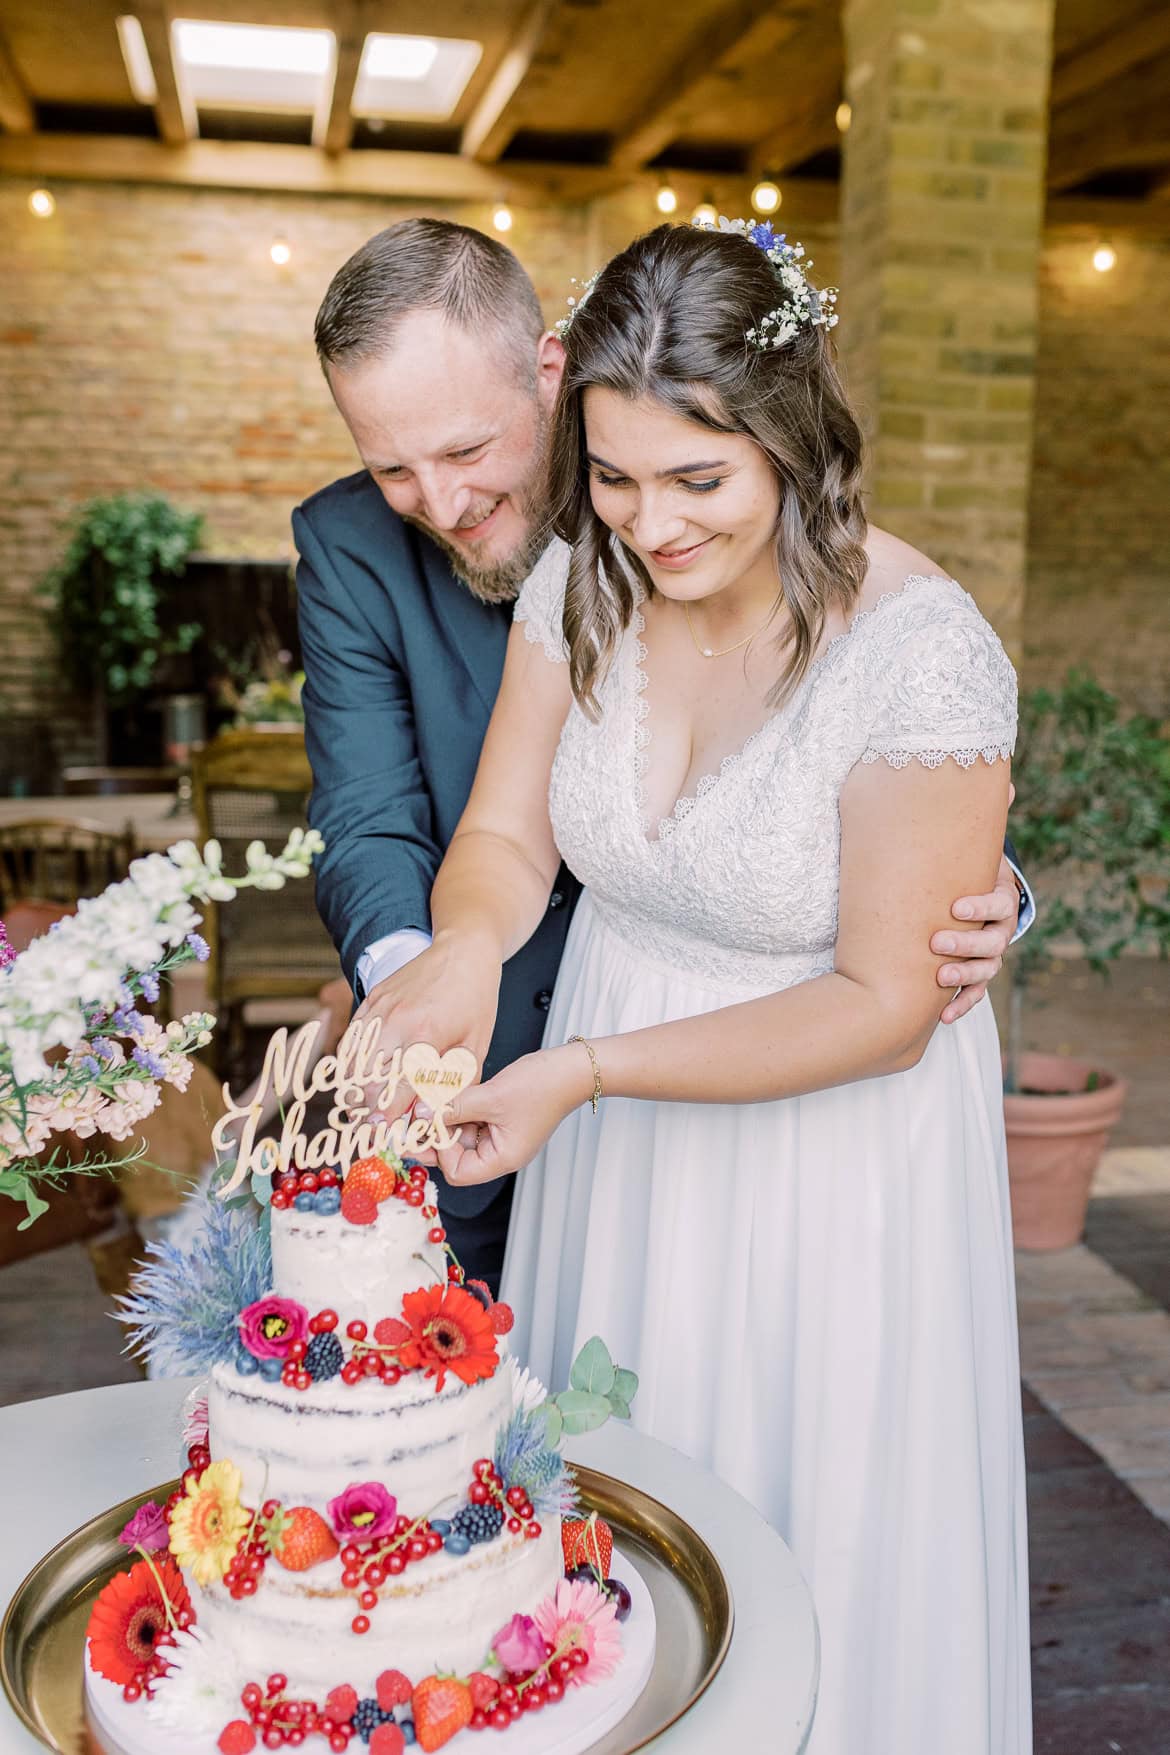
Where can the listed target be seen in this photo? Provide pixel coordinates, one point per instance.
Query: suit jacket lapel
(477, 633)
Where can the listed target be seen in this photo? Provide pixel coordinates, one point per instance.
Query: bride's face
(697, 506)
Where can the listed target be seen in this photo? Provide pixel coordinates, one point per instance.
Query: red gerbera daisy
(130, 1614)
(449, 1331)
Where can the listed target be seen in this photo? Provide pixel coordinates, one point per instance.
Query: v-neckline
(686, 803)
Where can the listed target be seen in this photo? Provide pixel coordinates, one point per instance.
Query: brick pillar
(942, 214)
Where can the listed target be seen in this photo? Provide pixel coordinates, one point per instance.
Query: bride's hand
(505, 1122)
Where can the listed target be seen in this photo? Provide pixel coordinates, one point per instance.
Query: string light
(280, 252)
(844, 116)
(42, 204)
(666, 200)
(705, 214)
(502, 218)
(766, 196)
(1104, 258)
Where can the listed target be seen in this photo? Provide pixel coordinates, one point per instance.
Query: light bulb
(705, 214)
(42, 204)
(666, 199)
(1104, 258)
(280, 252)
(766, 197)
(844, 117)
(502, 218)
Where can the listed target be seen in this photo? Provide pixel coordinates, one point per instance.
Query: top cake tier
(329, 1262)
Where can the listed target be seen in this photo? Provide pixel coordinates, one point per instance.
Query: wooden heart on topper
(438, 1078)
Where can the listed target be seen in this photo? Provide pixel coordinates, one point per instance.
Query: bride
(774, 742)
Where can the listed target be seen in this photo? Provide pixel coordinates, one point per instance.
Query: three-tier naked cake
(375, 1537)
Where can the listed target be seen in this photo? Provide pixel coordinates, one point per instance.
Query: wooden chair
(266, 944)
(60, 859)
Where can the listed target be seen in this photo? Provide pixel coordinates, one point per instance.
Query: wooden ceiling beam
(1120, 125)
(1111, 56)
(334, 130)
(173, 109)
(487, 132)
(16, 111)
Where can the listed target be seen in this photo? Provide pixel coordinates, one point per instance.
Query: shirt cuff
(1027, 903)
(387, 955)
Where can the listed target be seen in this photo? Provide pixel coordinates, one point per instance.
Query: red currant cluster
(487, 1488)
(246, 1565)
(377, 1358)
(411, 1187)
(365, 1566)
(286, 1185)
(280, 1722)
(499, 1704)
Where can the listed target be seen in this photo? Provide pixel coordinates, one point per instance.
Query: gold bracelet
(597, 1093)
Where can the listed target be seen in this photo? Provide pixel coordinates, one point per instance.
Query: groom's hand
(440, 997)
(974, 958)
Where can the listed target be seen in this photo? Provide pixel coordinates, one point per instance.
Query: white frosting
(361, 1271)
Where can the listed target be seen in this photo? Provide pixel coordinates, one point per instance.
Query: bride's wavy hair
(668, 319)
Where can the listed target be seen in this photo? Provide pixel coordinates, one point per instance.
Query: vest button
(542, 1000)
(557, 899)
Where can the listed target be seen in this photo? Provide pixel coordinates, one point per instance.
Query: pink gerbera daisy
(581, 1615)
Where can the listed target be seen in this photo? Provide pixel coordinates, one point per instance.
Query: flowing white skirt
(817, 1295)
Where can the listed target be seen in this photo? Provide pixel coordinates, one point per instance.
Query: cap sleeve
(541, 603)
(944, 686)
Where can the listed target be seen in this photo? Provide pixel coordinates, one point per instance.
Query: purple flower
(269, 1327)
(126, 1021)
(102, 1048)
(364, 1512)
(7, 954)
(149, 1062)
(520, 1645)
(91, 1065)
(148, 981)
(199, 945)
(146, 1529)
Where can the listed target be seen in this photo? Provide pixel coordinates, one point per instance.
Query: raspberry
(236, 1738)
(393, 1689)
(484, 1690)
(341, 1704)
(501, 1318)
(324, 1357)
(387, 1739)
(479, 1523)
(358, 1206)
(389, 1332)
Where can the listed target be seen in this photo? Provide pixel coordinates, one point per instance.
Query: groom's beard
(500, 581)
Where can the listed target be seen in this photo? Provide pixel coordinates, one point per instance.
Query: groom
(434, 347)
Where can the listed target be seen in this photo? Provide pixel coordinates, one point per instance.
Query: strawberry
(300, 1538)
(387, 1739)
(389, 1332)
(587, 1542)
(236, 1738)
(483, 1690)
(358, 1205)
(392, 1689)
(341, 1704)
(501, 1318)
(442, 1706)
(373, 1175)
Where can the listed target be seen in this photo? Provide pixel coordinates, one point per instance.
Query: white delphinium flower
(201, 1691)
(528, 1392)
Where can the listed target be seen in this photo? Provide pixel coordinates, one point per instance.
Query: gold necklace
(706, 651)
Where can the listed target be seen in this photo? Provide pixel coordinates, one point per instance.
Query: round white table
(69, 1457)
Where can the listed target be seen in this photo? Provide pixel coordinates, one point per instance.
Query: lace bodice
(739, 885)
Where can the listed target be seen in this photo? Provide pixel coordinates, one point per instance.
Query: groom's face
(453, 428)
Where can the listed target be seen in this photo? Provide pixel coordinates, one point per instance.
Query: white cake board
(571, 1727)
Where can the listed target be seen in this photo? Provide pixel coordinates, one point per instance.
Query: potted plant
(1091, 824)
(107, 603)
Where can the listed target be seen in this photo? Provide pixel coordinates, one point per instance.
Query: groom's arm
(369, 801)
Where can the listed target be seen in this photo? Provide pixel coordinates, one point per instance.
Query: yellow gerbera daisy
(206, 1525)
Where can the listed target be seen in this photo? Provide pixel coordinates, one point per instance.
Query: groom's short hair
(435, 265)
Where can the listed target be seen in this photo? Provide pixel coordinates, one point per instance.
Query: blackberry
(323, 1357)
(479, 1523)
(368, 1715)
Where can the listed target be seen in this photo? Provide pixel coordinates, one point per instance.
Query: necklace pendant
(707, 652)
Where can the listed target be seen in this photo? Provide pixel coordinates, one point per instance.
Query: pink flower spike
(147, 1529)
(7, 954)
(520, 1645)
(581, 1615)
(195, 1424)
(363, 1512)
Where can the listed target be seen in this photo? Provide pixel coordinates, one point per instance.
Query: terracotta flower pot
(1054, 1144)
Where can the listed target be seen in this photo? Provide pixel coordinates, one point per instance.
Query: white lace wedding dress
(817, 1293)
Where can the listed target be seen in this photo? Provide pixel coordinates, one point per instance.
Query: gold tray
(43, 1634)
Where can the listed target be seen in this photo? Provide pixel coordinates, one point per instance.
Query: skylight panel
(422, 77)
(246, 66)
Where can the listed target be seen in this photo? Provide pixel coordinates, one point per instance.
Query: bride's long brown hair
(667, 319)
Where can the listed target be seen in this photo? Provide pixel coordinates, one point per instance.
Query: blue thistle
(182, 1308)
(524, 1459)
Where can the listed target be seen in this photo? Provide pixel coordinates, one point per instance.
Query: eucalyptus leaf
(625, 1387)
(556, 1424)
(582, 1411)
(618, 1408)
(593, 1368)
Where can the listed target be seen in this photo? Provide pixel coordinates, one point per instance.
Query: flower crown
(802, 306)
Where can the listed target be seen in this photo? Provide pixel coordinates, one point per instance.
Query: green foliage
(598, 1390)
(106, 596)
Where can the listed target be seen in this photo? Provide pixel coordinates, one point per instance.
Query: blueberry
(440, 1526)
(270, 1370)
(407, 1729)
(456, 1544)
(327, 1201)
(306, 1203)
(246, 1364)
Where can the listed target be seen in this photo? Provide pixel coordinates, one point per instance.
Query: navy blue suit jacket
(402, 668)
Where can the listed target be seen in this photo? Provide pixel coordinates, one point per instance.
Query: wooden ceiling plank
(349, 27)
(1111, 56)
(16, 111)
(174, 111)
(486, 132)
(1117, 125)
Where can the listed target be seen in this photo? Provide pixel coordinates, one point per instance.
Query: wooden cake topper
(291, 1076)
